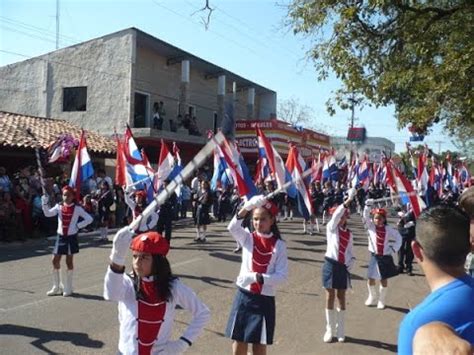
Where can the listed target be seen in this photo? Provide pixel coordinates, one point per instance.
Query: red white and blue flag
(296, 166)
(238, 169)
(277, 167)
(165, 165)
(407, 193)
(137, 168)
(82, 168)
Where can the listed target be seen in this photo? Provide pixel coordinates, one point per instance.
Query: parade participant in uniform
(383, 241)
(138, 206)
(105, 201)
(204, 203)
(328, 200)
(406, 228)
(440, 248)
(165, 217)
(338, 261)
(68, 213)
(264, 266)
(147, 298)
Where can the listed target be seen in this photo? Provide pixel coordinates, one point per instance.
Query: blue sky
(245, 36)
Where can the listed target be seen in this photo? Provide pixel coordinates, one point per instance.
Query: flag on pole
(238, 169)
(165, 165)
(136, 168)
(177, 164)
(82, 168)
(405, 189)
(277, 166)
(296, 166)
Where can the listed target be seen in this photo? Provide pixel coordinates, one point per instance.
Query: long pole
(38, 160)
(188, 170)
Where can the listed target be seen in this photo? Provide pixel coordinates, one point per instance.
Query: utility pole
(439, 146)
(57, 24)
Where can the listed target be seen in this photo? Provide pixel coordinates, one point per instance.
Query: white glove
(369, 202)
(351, 193)
(409, 224)
(255, 202)
(44, 199)
(173, 347)
(247, 279)
(121, 244)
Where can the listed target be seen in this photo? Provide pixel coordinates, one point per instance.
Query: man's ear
(417, 250)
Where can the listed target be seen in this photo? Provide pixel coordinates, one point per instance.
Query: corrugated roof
(13, 133)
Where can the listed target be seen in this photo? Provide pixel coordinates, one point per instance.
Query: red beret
(68, 188)
(141, 193)
(150, 242)
(271, 207)
(379, 211)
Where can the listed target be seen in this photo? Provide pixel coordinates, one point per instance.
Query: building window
(75, 98)
(140, 117)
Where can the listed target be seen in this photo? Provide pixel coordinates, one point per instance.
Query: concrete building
(109, 82)
(372, 146)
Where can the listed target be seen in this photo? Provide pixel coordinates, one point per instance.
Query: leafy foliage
(416, 55)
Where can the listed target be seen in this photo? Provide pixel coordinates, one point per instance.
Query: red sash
(263, 249)
(344, 236)
(381, 233)
(66, 216)
(151, 313)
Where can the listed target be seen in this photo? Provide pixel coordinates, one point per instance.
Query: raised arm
(115, 285)
(48, 212)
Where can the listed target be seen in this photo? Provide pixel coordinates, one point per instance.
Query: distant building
(109, 82)
(372, 146)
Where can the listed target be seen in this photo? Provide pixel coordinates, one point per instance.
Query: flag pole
(38, 160)
(198, 160)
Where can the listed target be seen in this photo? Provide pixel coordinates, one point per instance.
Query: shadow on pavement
(373, 343)
(214, 281)
(45, 336)
(229, 257)
(398, 309)
(87, 297)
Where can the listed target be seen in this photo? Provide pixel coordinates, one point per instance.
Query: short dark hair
(443, 233)
(466, 201)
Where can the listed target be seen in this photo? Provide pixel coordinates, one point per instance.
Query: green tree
(415, 55)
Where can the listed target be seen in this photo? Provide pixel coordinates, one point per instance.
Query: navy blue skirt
(66, 245)
(335, 275)
(252, 318)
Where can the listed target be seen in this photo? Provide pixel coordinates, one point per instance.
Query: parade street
(33, 323)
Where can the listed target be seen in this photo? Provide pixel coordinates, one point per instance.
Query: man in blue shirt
(441, 246)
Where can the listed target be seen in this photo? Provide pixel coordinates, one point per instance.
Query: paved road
(32, 323)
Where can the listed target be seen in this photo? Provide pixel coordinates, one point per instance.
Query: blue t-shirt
(452, 304)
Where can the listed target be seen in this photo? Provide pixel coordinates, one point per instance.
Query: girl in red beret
(71, 218)
(338, 261)
(148, 296)
(383, 242)
(264, 267)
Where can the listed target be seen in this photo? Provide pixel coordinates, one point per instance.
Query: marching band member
(137, 206)
(338, 261)
(383, 242)
(147, 298)
(68, 213)
(264, 266)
